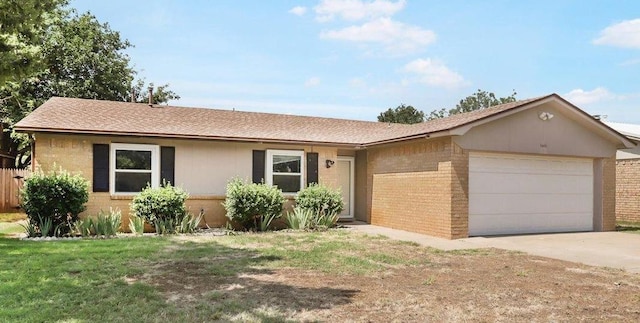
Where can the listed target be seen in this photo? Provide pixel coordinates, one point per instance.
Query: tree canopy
(477, 101)
(402, 114)
(22, 26)
(77, 56)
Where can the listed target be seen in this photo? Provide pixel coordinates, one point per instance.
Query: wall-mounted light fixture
(544, 116)
(329, 163)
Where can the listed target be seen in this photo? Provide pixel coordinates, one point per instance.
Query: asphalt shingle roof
(123, 118)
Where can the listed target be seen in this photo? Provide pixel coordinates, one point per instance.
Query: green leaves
(163, 207)
(251, 204)
(477, 101)
(320, 199)
(402, 114)
(46, 50)
(53, 201)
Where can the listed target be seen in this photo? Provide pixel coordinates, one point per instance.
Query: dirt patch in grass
(12, 217)
(398, 282)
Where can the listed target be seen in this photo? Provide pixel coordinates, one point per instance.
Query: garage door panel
(544, 164)
(529, 183)
(528, 204)
(511, 194)
(511, 224)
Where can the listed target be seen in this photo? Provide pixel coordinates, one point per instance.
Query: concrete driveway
(604, 249)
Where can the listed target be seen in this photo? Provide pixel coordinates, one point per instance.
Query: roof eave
(177, 136)
(426, 135)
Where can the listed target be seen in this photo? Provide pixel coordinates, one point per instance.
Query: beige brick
(627, 191)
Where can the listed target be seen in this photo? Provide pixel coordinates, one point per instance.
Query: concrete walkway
(604, 249)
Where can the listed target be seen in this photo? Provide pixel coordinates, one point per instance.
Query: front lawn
(631, 227)
(296, 276)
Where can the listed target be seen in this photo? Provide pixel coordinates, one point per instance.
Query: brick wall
(609, 194)
(627, 188)
(419, 186)
(459, 192)
(418, 202)
(74, 153)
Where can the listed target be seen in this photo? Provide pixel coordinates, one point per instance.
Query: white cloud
(356, 9)
(298, 10)
(580, 96)
(434, 73)
(396, 37)
(624, 34)
(311, 82)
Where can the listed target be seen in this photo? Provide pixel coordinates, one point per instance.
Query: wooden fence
(11, 181)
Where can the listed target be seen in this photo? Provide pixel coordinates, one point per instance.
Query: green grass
(631, 227)
(132, 279)
(10, 228)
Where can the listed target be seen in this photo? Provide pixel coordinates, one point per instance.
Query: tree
(477, 101)
(22, 24)
(402, 114)
(81, 58)
(161, 94)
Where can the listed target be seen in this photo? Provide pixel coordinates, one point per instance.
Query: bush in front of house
(308, 219)
(253, 206)
(320, 199)
(164, 208)
(52, 202)
(317, 207)
(104, 224)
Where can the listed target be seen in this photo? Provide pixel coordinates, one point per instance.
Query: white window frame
(269, 165)
(155, 165)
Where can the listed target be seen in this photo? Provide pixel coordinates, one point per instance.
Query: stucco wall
(202, 168)
(524, 132)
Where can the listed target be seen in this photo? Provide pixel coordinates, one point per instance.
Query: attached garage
(534, 166)
(515, 194)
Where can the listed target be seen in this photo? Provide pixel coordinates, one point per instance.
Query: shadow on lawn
(218, 281)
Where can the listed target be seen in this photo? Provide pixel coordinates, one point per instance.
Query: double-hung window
(134, 167)
(285, 169)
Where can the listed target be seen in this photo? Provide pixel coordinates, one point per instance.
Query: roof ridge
(146, 105)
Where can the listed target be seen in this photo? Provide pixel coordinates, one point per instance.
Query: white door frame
(352, 167)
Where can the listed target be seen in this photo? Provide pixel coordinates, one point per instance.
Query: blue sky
(355, 58)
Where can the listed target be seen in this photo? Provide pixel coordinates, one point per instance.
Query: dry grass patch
(338, 275)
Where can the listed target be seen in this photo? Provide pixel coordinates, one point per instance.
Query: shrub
(320, 199)
(136, 225)
(162, 207)
(299, 219)
(55, 198)
(104, 224)
(84, 227)
(307, 219)
(188, 224)
(252, 205)
(107, 224)
(325, 221)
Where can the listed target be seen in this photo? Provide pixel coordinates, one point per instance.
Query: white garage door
(512, 194)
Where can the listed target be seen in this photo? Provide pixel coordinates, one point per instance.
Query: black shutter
(312, 168)
(167, 165)
(100, 168)
(258, 166)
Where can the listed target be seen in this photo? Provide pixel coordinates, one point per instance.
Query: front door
(346, 181)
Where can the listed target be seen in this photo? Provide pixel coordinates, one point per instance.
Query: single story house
(628, 174)
(536, 165)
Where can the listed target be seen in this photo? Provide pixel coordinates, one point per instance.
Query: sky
(356, 58)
